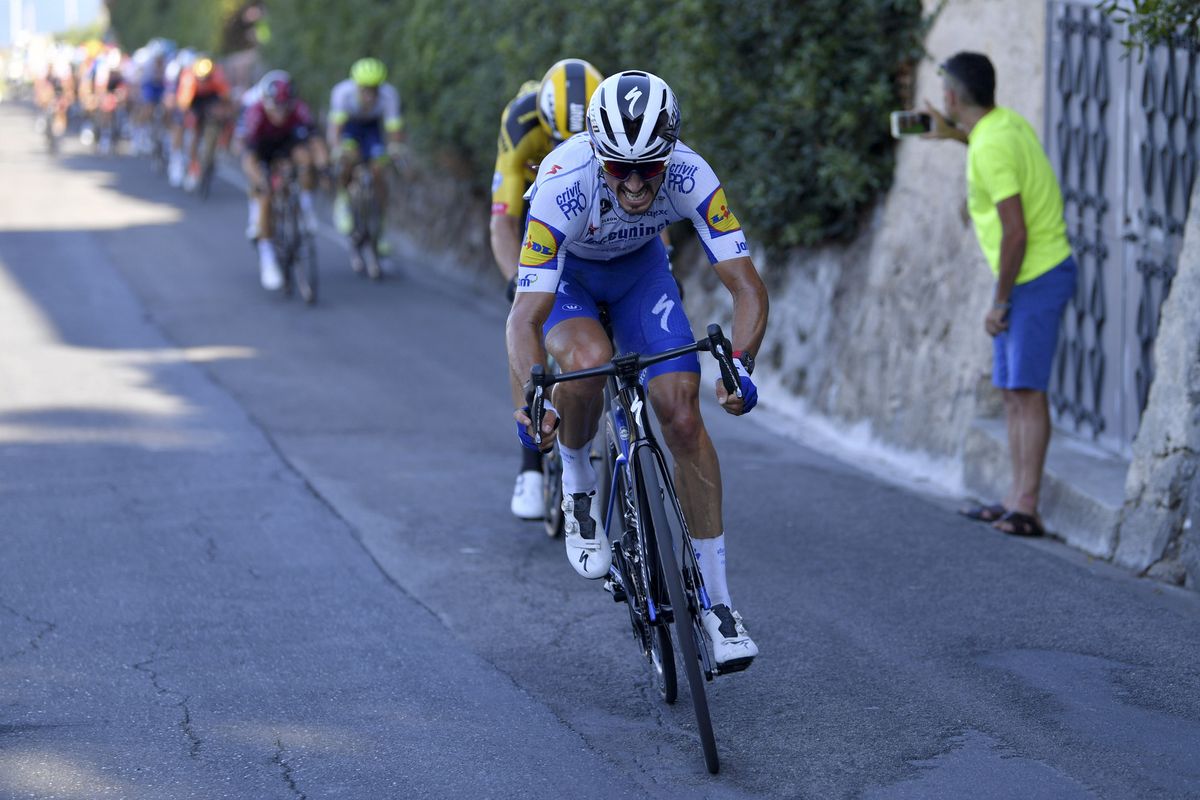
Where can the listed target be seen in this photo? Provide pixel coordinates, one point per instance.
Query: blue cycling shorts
(152, 92)
(644, 307)
(1023, 355)
(368, 136)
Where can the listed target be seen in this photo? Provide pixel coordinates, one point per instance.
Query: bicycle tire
(306, 269)
(654, 640)
(654, 500)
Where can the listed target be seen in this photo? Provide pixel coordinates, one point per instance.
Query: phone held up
(910, 123)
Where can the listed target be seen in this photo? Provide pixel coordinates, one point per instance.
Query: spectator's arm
(1012, 246)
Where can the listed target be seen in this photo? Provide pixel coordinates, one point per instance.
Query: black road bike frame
(654, 570)
(295, 246)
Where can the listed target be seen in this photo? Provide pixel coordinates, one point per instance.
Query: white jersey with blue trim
(572, 210)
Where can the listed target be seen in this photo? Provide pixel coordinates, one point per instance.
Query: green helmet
(368, 72)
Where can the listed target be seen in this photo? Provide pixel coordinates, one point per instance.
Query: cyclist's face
(634, 193)
(368, 95)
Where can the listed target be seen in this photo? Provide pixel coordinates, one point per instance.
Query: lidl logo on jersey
(717, 214)
(541, 245)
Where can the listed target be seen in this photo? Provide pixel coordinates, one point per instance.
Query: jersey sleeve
(520, 143)
(390, 99)
(543, 248)
(339, 105)
(253, 125)
(697, 194)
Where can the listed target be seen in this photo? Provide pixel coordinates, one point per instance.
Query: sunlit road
(254, 550)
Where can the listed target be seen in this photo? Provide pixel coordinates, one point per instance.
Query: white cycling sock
(710, 554)
(578, 474)
(306, 201)
(255, 210)
(265, 249)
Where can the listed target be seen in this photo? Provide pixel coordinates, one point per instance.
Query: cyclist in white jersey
(596, 211)
(364, 125)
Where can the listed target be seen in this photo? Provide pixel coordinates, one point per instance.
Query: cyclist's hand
(731, 402)
(525, 428)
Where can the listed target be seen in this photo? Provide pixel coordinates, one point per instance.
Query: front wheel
(656, 503)
(305, 269)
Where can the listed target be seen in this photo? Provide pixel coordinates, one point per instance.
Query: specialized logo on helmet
(717, 214)
(632, 96)
(541, 245)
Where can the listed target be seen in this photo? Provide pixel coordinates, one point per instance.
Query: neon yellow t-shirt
(1005, 158)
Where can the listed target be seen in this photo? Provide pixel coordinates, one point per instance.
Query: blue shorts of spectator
(1023, 355)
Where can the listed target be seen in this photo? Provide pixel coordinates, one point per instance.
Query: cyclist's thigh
(649, 318)
(579, 343)
(571, 301)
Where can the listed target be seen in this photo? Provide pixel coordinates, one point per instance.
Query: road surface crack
(282, 763)
(185, 724)
(44, 627)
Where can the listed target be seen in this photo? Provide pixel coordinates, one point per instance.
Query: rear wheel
(655, 502)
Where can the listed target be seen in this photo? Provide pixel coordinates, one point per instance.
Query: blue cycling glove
(749, 390)
(523, 430)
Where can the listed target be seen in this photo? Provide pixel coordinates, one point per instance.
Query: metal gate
(1122, 134)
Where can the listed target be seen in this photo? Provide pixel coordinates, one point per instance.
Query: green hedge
(787, 100)
(192, 23)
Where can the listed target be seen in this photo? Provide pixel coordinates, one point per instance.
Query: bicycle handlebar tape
(721, 349)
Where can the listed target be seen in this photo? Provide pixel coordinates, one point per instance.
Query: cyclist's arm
(749, 302)
(506, 243)
(393, 123)
(524, 336)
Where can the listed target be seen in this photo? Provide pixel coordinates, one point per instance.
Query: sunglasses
(621, 170)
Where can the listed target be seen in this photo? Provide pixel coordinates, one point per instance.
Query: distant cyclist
(543, 115)
(592, 237)
(203, 97)
(364, 125)
(277, 126)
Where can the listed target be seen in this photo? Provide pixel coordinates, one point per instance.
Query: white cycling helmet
(633, 116)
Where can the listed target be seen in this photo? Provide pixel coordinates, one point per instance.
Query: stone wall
(1162, 490)
(889, 329)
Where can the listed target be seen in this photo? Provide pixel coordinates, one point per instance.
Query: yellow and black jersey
(522, 145)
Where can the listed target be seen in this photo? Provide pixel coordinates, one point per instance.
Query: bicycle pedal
(734, 665)
(618, 593)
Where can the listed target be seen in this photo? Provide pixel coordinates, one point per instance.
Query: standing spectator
(1017, 209)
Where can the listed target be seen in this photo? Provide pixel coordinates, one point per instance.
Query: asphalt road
(254, 550)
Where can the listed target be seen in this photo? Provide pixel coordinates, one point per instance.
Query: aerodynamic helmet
(633, 116)
(368, 72)
(277, 89)
(563, 97)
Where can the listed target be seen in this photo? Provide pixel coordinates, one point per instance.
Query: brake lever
(722, 351)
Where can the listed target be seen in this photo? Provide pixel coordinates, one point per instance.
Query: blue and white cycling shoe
(588, 549)
(733, 649)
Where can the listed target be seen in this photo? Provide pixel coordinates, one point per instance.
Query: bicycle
(210, 134)
(646, 527)
(295, 246)
(368, 222)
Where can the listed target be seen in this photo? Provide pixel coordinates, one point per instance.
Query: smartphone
(910, 123)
